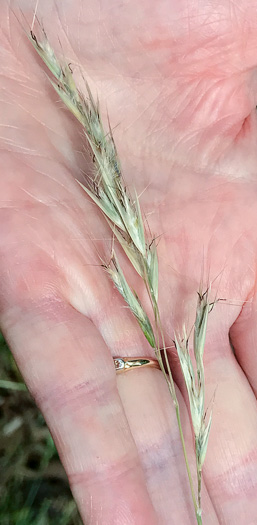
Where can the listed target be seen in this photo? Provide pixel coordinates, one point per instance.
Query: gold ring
(123, 364)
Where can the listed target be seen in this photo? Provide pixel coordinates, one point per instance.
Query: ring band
(123, 364)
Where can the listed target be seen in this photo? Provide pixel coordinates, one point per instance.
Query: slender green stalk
(177, 410)
(199, 485)
(171, 386)
(12, 385)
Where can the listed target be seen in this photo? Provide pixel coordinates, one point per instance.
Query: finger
(70, 373)
(243, 335)
(151, 415)
(231, 462)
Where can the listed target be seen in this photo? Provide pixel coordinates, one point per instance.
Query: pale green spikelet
(195, 383)
(131, 299)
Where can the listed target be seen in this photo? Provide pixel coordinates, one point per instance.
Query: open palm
(179, 82)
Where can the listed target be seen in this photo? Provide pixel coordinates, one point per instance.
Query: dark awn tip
(33, 36)
(151, 243)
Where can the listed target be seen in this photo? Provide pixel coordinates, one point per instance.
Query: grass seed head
(124, 216)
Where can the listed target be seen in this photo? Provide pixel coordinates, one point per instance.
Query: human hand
(179, 81)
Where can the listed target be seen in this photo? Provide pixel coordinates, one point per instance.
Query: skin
(179, 82)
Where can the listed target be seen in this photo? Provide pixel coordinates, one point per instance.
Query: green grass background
(34, 489)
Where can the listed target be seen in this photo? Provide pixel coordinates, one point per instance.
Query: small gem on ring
(119, 364)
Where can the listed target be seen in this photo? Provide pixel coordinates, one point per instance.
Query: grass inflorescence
(122, 211)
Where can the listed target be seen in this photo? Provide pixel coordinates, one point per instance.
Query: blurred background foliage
(34, 489)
